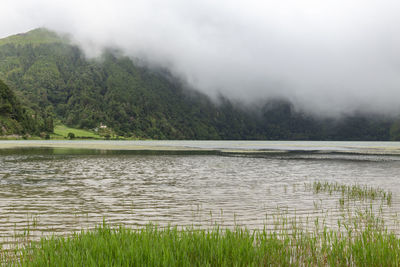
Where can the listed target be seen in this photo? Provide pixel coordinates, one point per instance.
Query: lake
(64, 186)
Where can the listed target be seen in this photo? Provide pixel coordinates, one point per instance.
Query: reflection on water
(69, 189)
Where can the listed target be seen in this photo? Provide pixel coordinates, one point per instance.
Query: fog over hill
(56, 81)
(327, 57)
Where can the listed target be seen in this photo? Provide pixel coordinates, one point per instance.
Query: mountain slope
(55, 79)
(113, 91)
(14, 117)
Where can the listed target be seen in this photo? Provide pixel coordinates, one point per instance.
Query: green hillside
(133, 101)
(56, 81)
(16, 118)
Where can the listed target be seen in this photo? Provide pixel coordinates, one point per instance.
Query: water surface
(65, 188)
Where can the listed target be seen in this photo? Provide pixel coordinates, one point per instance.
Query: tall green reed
(362, 240)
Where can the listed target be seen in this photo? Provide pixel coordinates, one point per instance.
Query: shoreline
(229, 147)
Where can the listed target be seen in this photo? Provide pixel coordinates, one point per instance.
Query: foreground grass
(366, 245)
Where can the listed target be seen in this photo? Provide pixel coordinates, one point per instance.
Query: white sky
(328, 56)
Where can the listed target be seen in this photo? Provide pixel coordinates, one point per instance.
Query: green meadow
(61, 131)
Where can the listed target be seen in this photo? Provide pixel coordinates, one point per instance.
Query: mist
(326, 57)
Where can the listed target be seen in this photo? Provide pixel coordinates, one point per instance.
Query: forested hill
(16, 118)
(55, 79)
(133, 101)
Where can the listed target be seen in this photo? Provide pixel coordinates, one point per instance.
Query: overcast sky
(329, 56)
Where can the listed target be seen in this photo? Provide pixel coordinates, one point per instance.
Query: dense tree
(18, 119)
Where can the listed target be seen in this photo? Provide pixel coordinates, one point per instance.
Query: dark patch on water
(45, 151)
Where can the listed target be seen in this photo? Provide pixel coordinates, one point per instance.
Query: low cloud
(327, 57)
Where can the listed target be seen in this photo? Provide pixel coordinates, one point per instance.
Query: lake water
(65, 186)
